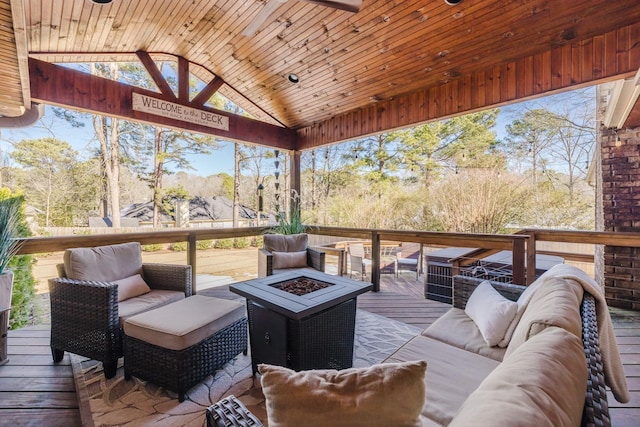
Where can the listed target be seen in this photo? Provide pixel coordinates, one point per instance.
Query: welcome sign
(171, 110)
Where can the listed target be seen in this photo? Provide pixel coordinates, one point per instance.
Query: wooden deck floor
(36, 392)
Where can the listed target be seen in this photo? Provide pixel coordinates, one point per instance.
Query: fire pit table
(302, 319)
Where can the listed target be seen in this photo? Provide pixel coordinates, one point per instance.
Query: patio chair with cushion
(358, 260)
(287, 252)
(98, 289)
(408, 258)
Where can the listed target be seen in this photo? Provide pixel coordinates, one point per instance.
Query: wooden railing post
(531, 258)
(375, 261)
(192, 247)
(517, 263)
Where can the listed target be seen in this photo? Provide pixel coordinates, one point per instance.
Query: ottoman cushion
(184, 323)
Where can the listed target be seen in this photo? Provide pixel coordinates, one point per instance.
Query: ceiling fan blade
(348, 5)
(269, 7)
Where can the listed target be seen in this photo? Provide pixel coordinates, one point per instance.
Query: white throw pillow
(491, 312)
(132, 286)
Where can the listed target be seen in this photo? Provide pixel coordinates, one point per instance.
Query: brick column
(620, 152)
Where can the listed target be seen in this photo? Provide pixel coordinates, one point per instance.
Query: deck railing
(523, 245)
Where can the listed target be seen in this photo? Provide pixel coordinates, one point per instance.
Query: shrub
(154, 247)
(178, 246)
(223, 244)
(241, 242)
(204, 244)
(257, 241)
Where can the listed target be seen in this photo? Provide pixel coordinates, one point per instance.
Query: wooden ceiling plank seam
(125, 18)
(575, 62)
(155, 74)
(587, 62)
(89, 22)
(20, 47)
(66, 13)
(47, 25)
(183, 19)
(172, 28)
(149, 27)
(34, 24)
(74, 24)
(220, 34)
(202, 32)
(634, 49)
(610, 63)
(102, 37)
(622, 51)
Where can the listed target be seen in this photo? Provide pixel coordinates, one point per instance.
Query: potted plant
(10, 217)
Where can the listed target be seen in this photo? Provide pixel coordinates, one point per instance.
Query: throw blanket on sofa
(613, 370)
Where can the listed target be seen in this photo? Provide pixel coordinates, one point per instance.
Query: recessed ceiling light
(101, 1)
(293, 78)
(452, 2)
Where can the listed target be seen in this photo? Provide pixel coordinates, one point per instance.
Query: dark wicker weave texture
(84, 314)
(324, 340)
(320, 341)
(315, 260)
(230, 412)
(464, 286)
(179, 370)
(596, 408)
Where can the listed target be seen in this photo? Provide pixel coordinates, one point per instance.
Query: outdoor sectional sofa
(551, 372)
(551, 367)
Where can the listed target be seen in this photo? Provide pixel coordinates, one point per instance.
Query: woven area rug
(116, 402)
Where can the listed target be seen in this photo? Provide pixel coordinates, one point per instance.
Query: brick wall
(621, 212)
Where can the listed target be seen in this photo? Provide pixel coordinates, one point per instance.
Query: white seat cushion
(453, 375)
(146, 302)
(184, 323)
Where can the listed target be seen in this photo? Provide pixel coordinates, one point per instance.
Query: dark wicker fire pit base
(313, 330)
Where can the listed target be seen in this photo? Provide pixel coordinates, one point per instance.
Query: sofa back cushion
(543, 382)
(103, 263)
(556, 302)
(286, 243)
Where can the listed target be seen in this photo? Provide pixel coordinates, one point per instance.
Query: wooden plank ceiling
(347, 63)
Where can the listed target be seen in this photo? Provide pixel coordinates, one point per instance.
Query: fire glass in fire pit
(301, 285)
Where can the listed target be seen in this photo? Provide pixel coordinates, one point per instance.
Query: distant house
(215, 211)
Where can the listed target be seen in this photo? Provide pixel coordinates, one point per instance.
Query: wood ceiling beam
(207, 92)
(607, 57)
(183, 79)
(155, 73)
(61, 86)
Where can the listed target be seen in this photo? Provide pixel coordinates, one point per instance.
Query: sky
(219, 161)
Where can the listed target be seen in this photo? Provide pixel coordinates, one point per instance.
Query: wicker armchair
(279, 245)
(85, 315)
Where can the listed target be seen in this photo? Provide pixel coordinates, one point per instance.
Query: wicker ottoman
(178, 345)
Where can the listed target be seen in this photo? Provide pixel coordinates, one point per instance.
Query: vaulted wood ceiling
(393, 54)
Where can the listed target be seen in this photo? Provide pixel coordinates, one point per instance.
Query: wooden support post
(375, 261)
(192, 247)
(517, 263)
(294, 180)
(531, 258)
